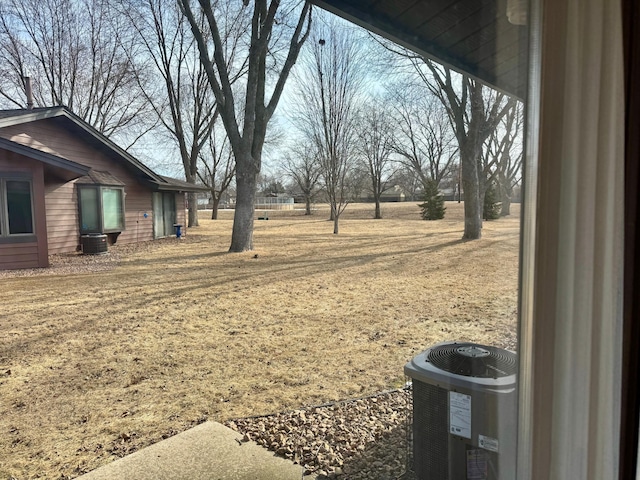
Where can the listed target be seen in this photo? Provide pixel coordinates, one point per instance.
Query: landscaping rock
(360, 439)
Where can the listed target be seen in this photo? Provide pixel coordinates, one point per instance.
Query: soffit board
(473, 37)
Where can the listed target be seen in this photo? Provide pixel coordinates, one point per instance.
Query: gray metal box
(464, 412)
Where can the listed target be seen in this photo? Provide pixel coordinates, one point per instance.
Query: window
(101, 209)
(16, 207)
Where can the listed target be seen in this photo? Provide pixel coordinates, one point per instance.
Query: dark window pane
(19, 207)
(89, 210)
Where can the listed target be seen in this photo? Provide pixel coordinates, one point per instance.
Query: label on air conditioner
(488, 443)
(460, 414)
(477, 465)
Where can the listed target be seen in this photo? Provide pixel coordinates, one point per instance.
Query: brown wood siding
(61, 198)
(137, 202)
(40, 215)
(62, 216)
(28, 254)
(181, 213)
(47, 135)
(15, 134)
(19, 255)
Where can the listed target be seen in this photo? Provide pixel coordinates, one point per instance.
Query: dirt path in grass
(97, 363)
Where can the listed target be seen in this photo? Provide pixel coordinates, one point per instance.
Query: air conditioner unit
(94, 243)
(464, 412)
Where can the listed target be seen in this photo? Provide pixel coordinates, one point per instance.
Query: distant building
(62, 181)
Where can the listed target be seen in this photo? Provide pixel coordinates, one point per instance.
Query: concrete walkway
(209, 451)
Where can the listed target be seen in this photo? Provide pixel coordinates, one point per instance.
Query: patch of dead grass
(96, 365)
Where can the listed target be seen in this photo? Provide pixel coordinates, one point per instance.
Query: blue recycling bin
(178, 230)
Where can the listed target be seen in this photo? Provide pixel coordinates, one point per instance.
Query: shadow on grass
(176, 282)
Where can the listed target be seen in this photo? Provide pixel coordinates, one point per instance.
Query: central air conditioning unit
(464, 412)
(93, 243)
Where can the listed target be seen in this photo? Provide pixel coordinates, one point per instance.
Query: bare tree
(358, 181)
(270, 184)
(329, 90)
(302, 166)
(502, 157)
(408, 181)
(247, 136)
(375, 135)
(474, 111)
(473, 115)
(424, 141)
(219, 169)
(186, 108)
(77, 53)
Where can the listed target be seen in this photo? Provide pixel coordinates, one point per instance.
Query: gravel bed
(75, 263)
(69, 264)
(364, 439)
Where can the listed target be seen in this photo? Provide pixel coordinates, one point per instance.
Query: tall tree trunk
(307, 206)
(471, 187)
(505, 193)
(215, 206)
(506, 205)
(336, 228)
(378, 214)
(242, 235)
(247, 140)
(192, 201)
(470, 143)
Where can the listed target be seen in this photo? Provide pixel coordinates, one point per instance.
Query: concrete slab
(209, 451)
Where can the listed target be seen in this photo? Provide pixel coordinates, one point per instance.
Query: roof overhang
(60, 167)
(95, 177)
(16, 117)
(169, 184)
(474, 37)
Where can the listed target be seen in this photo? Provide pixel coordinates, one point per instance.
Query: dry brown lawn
(96, 365)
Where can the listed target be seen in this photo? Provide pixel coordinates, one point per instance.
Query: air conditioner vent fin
(472, 360)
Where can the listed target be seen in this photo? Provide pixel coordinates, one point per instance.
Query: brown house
(61, 182)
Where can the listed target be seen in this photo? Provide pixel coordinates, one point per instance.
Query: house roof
(180, 185)
(95, 177)
(17, 112)
(72, 122)
(475, 37)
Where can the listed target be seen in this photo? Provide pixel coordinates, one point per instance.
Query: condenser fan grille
(473, 360)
